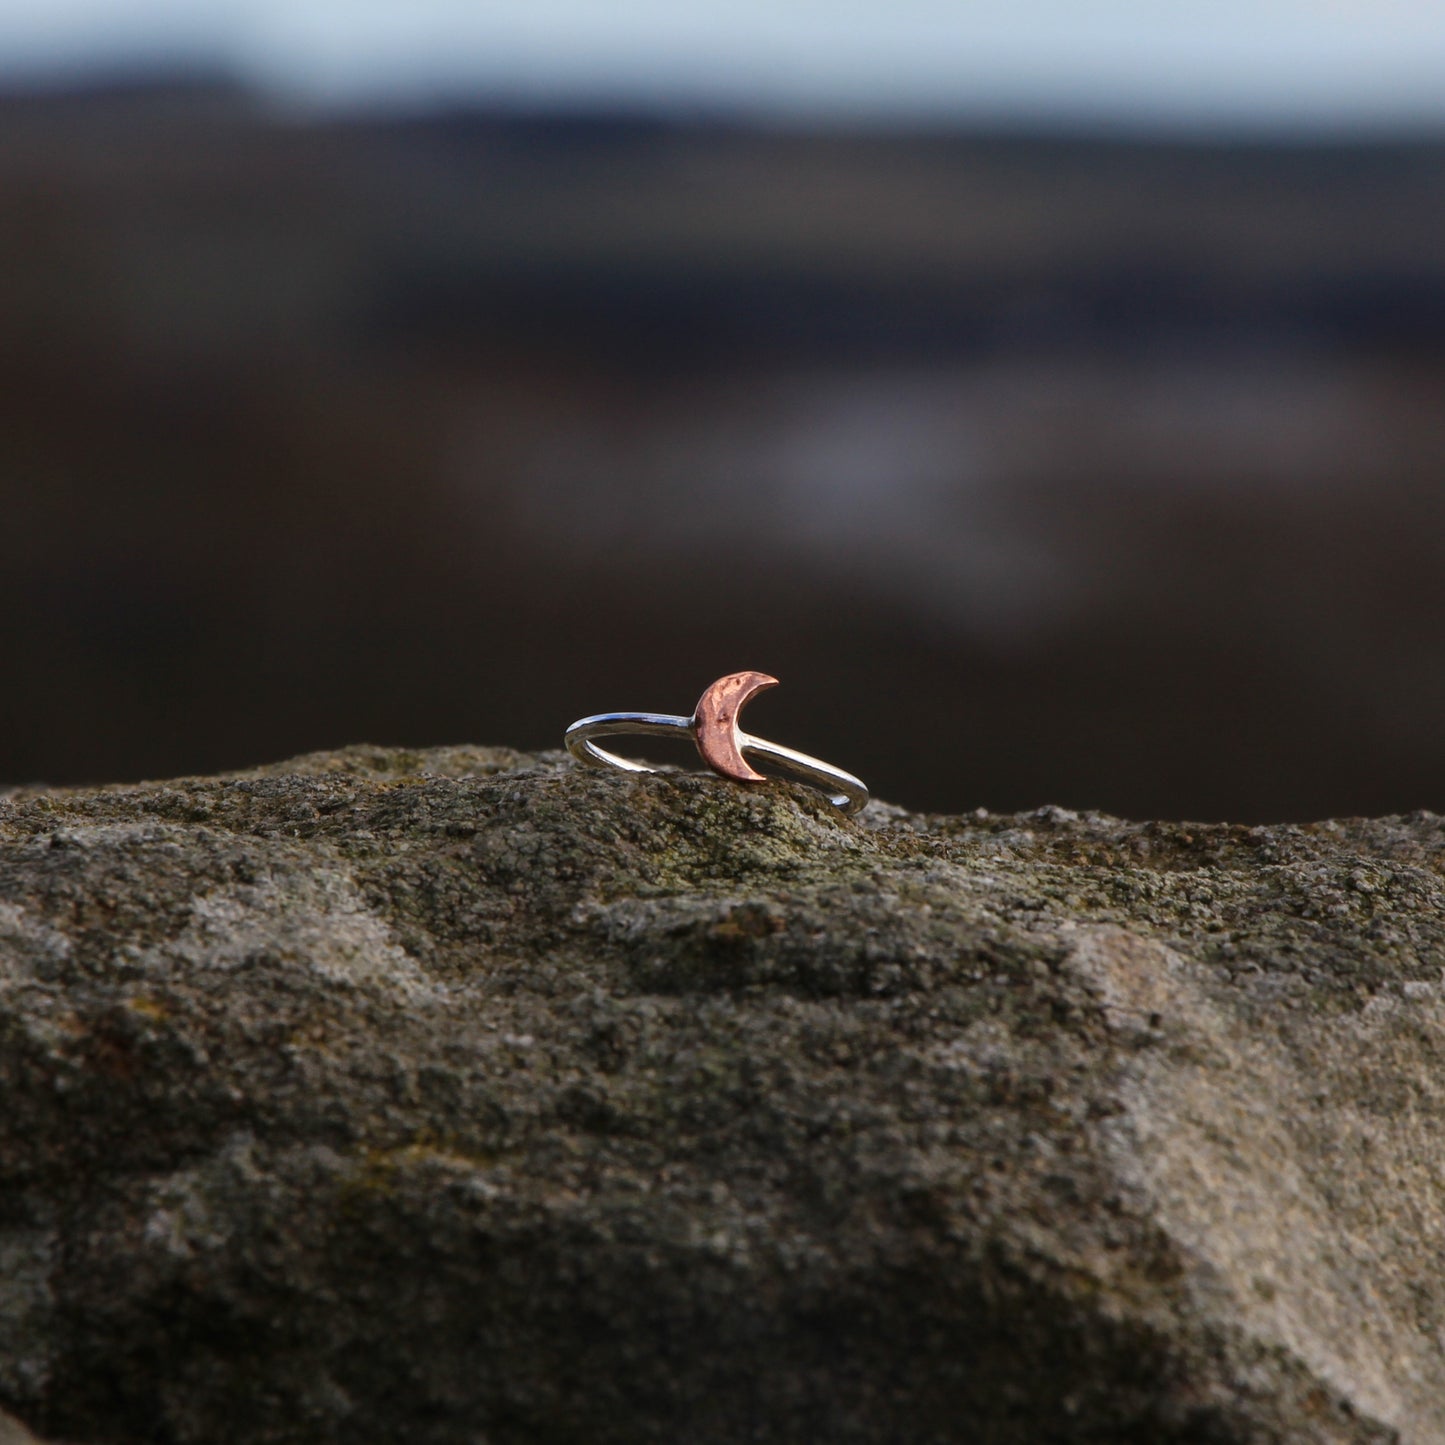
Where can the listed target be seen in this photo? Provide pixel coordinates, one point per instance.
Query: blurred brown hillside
(1094, 471)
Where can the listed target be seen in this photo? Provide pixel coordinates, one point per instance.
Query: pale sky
(1252, 61)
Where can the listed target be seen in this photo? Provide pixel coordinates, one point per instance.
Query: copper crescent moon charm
(715, 723)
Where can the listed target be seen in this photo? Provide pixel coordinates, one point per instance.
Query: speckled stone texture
(465, 1098)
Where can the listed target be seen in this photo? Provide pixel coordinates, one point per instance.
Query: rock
(12, 1432)
(461, 1096)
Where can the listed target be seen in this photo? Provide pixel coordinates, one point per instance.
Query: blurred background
(1052, 395)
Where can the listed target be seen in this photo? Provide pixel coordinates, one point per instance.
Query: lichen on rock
(461, 1095)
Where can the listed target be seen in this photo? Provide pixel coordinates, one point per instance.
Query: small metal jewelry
(724, 746)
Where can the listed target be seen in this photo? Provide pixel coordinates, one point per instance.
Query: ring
(722, 743)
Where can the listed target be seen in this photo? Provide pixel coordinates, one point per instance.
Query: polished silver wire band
(843, 789)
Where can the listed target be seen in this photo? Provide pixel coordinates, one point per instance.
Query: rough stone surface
(459, 1096)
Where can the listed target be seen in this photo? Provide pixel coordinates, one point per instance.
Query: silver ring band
(843, 790)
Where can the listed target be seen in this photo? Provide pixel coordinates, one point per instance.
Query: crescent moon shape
(715, 723)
